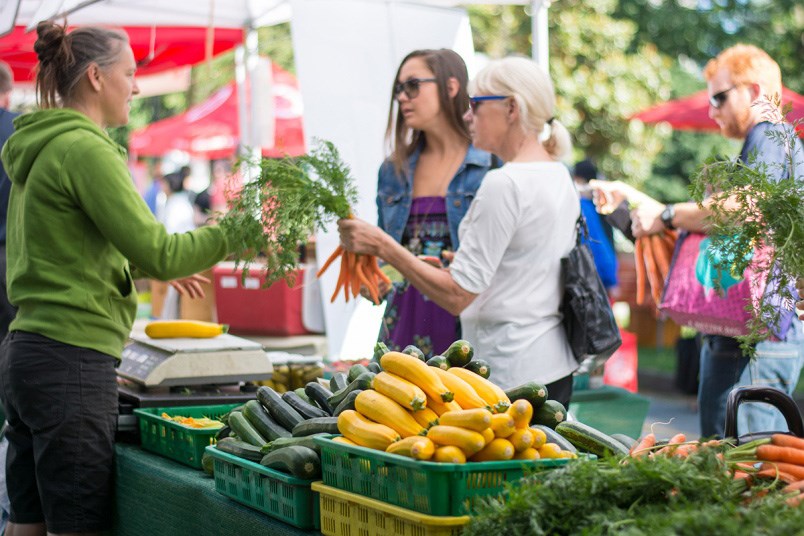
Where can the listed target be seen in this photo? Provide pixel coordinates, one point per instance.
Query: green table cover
(155, 496)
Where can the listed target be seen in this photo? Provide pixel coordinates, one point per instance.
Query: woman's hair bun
(50, 42)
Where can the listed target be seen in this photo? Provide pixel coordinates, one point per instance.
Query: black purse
(588, 320)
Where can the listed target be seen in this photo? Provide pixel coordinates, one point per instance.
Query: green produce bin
(611, 410)
(172, 440)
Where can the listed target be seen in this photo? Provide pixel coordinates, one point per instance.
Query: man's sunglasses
(474, 102)
(718, 99)
(411, 87)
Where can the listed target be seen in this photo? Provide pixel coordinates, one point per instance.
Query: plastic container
(611, 410)
(171, 439)
(249, 309)
(437, 489)
(349, 514)
(277, 494)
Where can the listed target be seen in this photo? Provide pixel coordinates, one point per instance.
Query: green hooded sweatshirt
(75, 221)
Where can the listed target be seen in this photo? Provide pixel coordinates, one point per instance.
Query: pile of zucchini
(277, 430)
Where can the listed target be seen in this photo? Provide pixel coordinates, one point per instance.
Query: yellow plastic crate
(349, 514)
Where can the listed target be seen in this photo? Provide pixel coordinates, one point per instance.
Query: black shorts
(61, 406)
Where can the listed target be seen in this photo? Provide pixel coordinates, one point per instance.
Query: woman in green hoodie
(78, 235)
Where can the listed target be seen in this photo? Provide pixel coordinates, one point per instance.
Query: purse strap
(581, 229)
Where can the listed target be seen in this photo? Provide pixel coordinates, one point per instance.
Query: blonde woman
(504, 280)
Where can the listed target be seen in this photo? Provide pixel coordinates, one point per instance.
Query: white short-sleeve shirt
(519, 226)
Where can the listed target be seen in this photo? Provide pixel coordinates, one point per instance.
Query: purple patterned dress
(410, 317)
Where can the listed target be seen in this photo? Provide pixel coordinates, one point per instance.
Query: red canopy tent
(155, 48)
(692, 112)
(211, 129)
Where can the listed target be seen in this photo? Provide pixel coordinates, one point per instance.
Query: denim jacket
(395, 192)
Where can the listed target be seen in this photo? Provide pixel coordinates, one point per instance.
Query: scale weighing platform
(187, 372)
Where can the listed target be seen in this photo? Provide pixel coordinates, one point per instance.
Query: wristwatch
(668, 214)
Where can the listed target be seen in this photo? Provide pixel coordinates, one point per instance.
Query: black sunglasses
(474, 102)
(718, 99)
(411, 86)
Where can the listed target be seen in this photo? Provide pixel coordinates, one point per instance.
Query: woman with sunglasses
(425, 186)
(504, 281)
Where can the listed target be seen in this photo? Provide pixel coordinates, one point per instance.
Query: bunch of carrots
(356, 270)
(653, 254)
(778, 459)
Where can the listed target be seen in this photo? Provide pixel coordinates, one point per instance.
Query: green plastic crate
(437, 489)
(277, 494)
(611, 410)
(171, 439)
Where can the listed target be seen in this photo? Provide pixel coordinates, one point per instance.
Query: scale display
(172, 362)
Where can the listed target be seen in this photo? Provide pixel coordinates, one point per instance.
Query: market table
(155, 495)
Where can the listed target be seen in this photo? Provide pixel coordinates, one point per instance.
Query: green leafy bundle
(659, 496)
(752, 209)
(271, 216)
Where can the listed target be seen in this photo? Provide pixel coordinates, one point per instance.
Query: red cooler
(249, 309)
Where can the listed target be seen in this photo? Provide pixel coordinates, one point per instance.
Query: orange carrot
(335, 254)
(346, 264)
(655, 280)
(362, 279)
(772, 453)
(796, 471)
(376, 266)
(644, 445)
(639, 264)
(685, 450)
(368, 269)
(660, 253)
(795, 501)
(773, 474)
(341, 280)
(785, 440)
(740, 475)
(795, 486)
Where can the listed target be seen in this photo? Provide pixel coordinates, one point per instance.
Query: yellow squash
(527, 454)
(521, 439)
(417, 373)
(425, 417)
(345, 441)
(400, 390)
(364, 432)
(502, 424)
(488, 435)
(416, 447)
(449, 454)
(469, 441)
(499, 449)
(488, 391)
(174, 329)
(442, 407)
(522, 411)
(463, 393)
(381, 409)
(473, 419)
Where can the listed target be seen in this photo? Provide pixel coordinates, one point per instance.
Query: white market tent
(346, 55)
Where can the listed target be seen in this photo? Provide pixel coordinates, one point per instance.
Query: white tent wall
(347, 53)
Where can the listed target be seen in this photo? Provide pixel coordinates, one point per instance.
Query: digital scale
(187, 372)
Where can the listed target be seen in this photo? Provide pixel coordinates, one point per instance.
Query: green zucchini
(415, 352)
(347, 403)
(306, 410)
(259, 418)
(550, 413)
(374, 367)
(300, 391)
(459, 353)
(533, 392)
(439, 361)
(361, 382)
(320, 395)
(627, 441)
(588, 439)
(208, 463)
(239, 448)
(223, 432)
(353, 372)
(338, 382)
(278, 408)
(225, 418)
(304, 441)
(301, 462)
(555, 437)
(479, 367)
(380, 349)
(320, 425)
(245, 430)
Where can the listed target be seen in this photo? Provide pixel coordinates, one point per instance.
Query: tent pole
(246, 61)
(538, 21)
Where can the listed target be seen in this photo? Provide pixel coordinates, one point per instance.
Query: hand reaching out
(190, 286)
